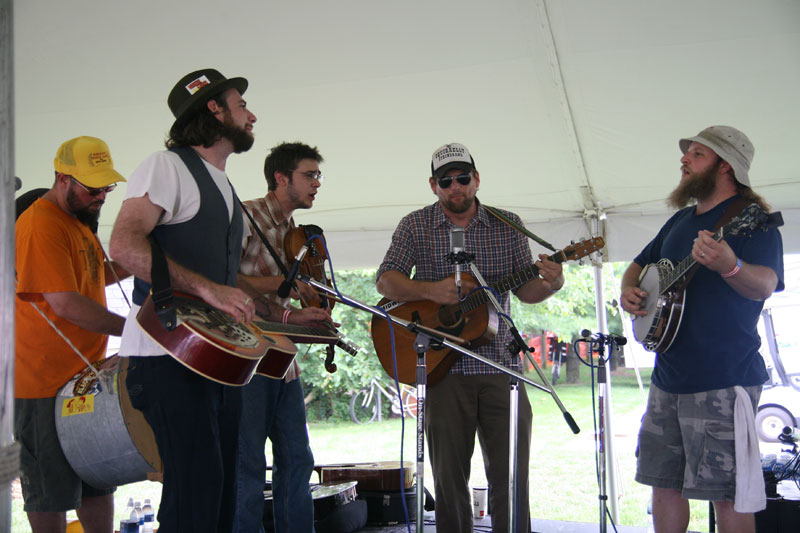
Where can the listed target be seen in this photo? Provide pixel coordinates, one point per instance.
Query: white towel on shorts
(750, 492)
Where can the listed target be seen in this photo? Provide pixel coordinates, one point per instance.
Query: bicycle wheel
(409, 395)
(363, 407)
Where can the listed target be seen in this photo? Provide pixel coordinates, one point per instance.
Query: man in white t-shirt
(195, 218)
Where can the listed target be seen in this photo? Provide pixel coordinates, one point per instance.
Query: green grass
(562, 470)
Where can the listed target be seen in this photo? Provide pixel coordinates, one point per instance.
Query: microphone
(286, 285)
(616, 339)
(457, 247)
(789, 434)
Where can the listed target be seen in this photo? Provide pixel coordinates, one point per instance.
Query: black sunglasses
(445, 181)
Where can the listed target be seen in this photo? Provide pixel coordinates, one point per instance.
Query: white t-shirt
(168, 183)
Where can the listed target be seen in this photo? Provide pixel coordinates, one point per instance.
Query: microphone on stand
(457, 247)
(616, 339)
(286, 285)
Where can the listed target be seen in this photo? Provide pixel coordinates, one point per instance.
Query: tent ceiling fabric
(569, 107)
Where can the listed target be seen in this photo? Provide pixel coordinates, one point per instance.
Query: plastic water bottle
(130, 508)
(149, 516)
(128, 525)
(139, 514)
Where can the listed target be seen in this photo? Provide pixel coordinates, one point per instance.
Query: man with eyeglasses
(62, 272)
(274, 408)
(472, 397)
(182, 200)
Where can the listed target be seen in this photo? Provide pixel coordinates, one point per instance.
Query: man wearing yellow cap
(61, 271)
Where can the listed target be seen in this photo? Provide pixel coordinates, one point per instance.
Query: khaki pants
(456, 408)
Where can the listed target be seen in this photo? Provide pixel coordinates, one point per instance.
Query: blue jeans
(196, 425)
(274, 409)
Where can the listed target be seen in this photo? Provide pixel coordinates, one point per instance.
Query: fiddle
(313, 266)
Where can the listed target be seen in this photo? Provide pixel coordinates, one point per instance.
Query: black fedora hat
(197, 88)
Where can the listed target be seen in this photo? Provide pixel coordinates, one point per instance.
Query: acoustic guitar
(380, 476)
(471, 319)
(665, 283)
(213, 344)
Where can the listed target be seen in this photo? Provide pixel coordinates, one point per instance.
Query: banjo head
(650, 282)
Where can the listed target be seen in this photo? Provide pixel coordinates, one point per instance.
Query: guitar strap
(496, 212)
(735, 208)
(263, 238)
(161, 287)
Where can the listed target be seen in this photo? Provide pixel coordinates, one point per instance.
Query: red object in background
(537, 350)
(550, 339)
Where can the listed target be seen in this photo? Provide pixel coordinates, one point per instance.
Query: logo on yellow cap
(98, 158)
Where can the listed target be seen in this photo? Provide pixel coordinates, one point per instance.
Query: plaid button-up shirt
(256, 259)
(421, 243)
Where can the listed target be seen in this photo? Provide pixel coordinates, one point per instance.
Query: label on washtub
(78, 405)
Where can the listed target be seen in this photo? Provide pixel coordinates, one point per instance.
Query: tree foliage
(566, 313)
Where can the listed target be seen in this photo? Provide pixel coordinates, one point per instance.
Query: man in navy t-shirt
(687, 447)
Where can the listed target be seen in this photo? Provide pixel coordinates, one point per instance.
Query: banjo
(665, 283)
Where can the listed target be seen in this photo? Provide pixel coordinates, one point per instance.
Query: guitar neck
(479, 298)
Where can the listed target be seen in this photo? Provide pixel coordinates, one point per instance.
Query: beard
(241, 139)
(295, 200)
(461, 206)
(697, 187)
(85, 214)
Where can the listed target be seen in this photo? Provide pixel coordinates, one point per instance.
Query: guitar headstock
(577, 250)
(753, 217)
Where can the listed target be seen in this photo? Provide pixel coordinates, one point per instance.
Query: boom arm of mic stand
(411, 326)
(548, 387)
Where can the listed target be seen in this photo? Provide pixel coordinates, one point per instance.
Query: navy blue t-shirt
(717, 343)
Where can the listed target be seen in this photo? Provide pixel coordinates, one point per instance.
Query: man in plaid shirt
(273, 408)
(472, 397)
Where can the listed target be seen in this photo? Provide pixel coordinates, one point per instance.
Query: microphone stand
(425, 337)
(516, 346)
(597, 344)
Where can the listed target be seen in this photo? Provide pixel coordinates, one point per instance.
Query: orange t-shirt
(54, 253)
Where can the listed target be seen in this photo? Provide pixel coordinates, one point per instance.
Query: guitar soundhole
(451, 319)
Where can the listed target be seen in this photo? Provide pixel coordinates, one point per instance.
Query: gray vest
(209, 243)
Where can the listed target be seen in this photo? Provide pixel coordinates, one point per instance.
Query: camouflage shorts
(686, 443)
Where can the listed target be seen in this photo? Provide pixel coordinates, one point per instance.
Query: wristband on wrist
(285, 317)
(734, 270)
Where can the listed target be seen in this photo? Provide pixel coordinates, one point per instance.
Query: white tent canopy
(570, 107)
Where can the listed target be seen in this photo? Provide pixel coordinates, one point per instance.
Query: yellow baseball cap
(88, 160)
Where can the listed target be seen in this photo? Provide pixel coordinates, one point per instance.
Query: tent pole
(9, 454)
(598, 222)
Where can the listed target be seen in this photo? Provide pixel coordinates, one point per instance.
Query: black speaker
(780, 516)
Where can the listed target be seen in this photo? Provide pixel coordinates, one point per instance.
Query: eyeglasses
(91, 191)
(311, 175)
(445, 181)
